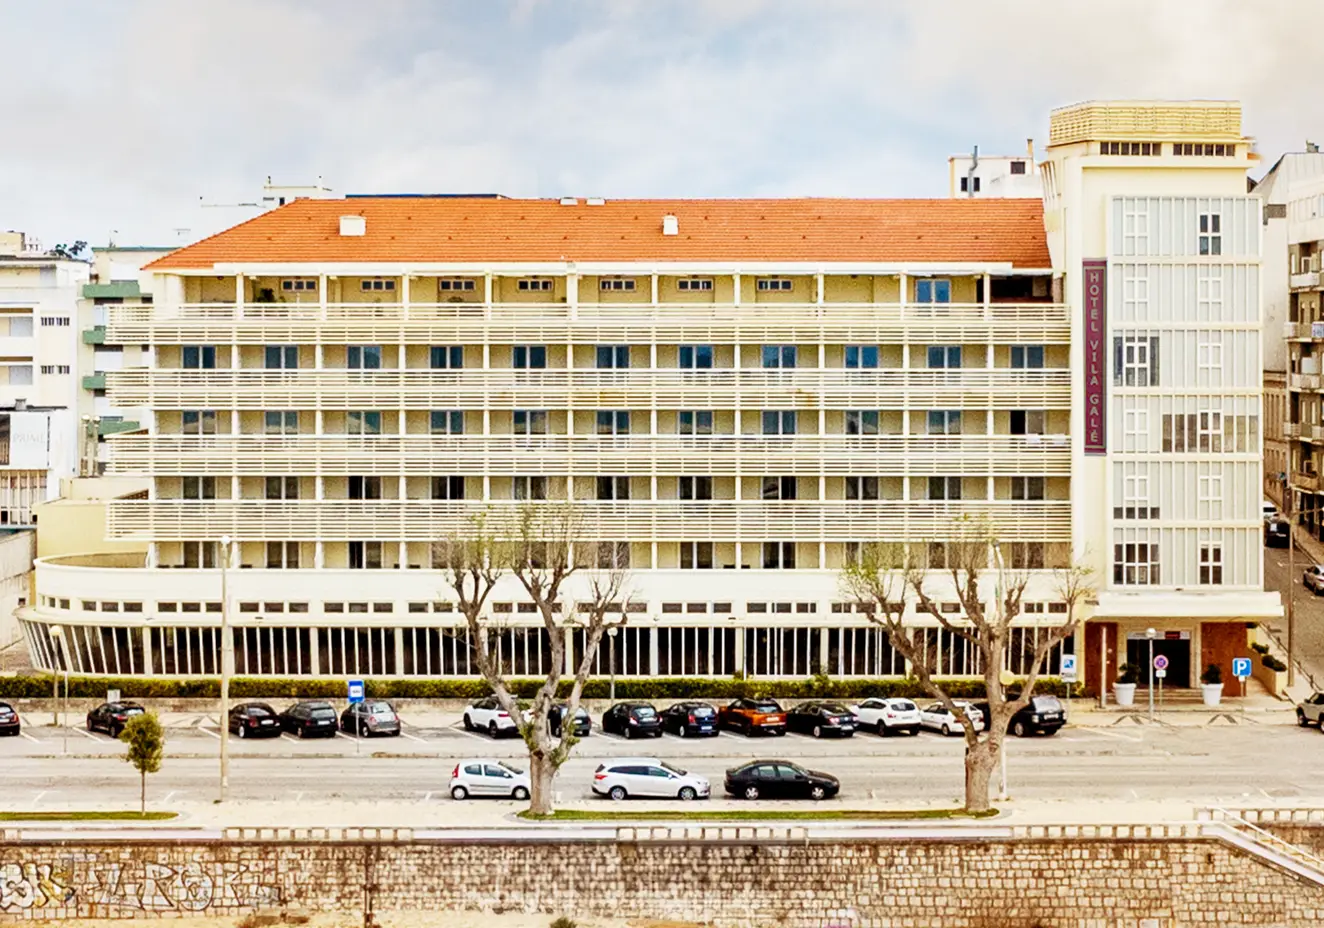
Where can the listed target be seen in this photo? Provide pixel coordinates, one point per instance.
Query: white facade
(995, 175)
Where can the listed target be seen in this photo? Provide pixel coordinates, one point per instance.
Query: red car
(753, 716)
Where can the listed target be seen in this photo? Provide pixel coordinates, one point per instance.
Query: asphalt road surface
(1309, 610)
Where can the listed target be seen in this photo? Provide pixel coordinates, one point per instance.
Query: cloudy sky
(121, 114)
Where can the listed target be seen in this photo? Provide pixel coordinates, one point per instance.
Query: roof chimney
(670, 225)
(1029, 149)
(595, 201)
(353, 225)
(569, 201)
(20, 404)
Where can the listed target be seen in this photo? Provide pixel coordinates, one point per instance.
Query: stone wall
(1141, 883)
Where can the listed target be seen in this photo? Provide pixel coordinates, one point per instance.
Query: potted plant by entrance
(1124, 690)
(1211, 685)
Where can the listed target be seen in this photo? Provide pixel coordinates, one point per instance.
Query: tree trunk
(142, 793)
(542, 772)
(980, 762)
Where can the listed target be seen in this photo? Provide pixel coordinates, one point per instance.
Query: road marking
(89, 735)
(288, 736)
(210, 732)
(405, 734)
(29, 737)
(37, 799)
(1116, 734)
(1264, 792)
(1134, 794)
(298, 797)
(347, 737)
(458, 728)
(167, 796)
(427, 796)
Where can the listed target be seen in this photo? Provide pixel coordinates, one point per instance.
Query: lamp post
(63, 649)
(1289, 504)
(227, 659)
(1151, 634)
(611, 659)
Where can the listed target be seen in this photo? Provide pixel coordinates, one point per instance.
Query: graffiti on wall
(148, 886)
(34, 886)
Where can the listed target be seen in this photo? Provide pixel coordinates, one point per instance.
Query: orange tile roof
(469, 229)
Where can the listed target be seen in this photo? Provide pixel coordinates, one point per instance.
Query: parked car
(1277, 533)
(370, 717)
(111, 717)
(889, 715)
(487, 715)
(1309, 711)
(647, 777)
(753, 715)
(1044, 714)
(583, 721)
(1313, 579)
(310, 720)
(254, 720)
(690, 718)
(937, 718)
(9, 721)
(1268, 509)
(822, 718)
(485, 777)
(779, 779)
(632, 720)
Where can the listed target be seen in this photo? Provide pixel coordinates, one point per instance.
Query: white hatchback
(477, 777)
(647, 777)
(937, 718)
(888, 715)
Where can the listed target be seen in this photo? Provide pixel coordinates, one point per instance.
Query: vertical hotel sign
(1095, 280)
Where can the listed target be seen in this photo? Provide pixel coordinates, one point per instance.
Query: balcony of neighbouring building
(1304, 481)
(96, 335)
(1303, 381)
(1294, 430)
(95, 381)
(114, 425)
(1306, 281)
(112, 290)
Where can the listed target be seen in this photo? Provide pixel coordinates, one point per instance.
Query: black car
(309, 720)
(9, 723)
(779, 779)
(633, 720)
(111, 717)
(583, 721)
(822, 718)
(254, 720)
(1276, 533)
(1041, 714)
(370, 717)
(690, 718)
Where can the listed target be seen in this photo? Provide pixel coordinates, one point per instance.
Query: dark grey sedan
(371, 717)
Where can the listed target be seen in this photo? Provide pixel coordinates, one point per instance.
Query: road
(1252, 761)
(1309, 610)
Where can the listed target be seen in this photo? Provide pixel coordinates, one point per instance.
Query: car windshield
(323, 712)
(1047, 704)
(517, 771)
(701, 712)
(380, 708)
(835, 708)
(902, 705)
(133, 710)
(258, 710)
(767, 706)
(643, 712)
(676, 770)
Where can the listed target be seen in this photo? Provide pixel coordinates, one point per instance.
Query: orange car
(753, 716)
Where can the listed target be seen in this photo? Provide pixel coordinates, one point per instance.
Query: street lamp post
(611, 659)
(58, 634)
(1151, 634)
(1289, 504)
(227, 660)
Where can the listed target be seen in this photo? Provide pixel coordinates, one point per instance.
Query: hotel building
(736, 392)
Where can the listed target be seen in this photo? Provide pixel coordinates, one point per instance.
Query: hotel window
(541, 284)
(1203, 149)
(364, 488)
(1135, 296)
(779, 356)
(694, 283)
(528, 357)
(944, 422)
(944, 488)
(528, 487)
(694, 488)
(1026, 555)
(1211, 565)
(1131, 148)
(446, 357)
(1209, 293)
(198, 357)
(1135, 228)
(941, 356)
(1026, 357)
(861, 422)
(198, 488)
(861, 356)
(361, 422)
(451, 488)
(696, 555)
(456, 285)
(1135, 499)
(282, 488)
(530, 421)
(1211, 234)
(282, 555)
(611, 357)
(365, 555)
(1209, 355)
(613, 422)
(778, 555)
(1211, 488)
(933, 291)
(694, 357)
(779, 488)
(613, 489)
(199, 553)
(1027, 488)
(779, 422)
(865, 488)
(618, 284)
(376, 285)
(1210, 431)
(446, 422)
(774, 283)
(280, 357)
(1028, 421)
(280, 422)
(613, 555)
(1135, 360)
(299, 284)
(198, 421)
(55, 320)
(1135, 430)
(1135, 564)
(694, 422)
(55, 368)
(363, 357)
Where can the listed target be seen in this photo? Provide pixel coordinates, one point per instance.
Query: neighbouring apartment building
(976, 175)
(737, 393)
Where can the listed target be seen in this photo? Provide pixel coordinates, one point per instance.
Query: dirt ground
(384, 920)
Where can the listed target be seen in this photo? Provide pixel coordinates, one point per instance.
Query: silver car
(496, 778)
(647, 777)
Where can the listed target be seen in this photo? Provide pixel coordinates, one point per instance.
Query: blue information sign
(356, 691)
(1241, 667)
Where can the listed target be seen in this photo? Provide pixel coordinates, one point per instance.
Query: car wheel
(468, 722)
(680, 731)
(687, 793)
(242, 730)
(519, 793)
(817, 792)
(617, 792)
(1301, 719)
(946, 730)
(1019, 730)
(492, 730)
(751, 792)
(818, 731)
(459, 793)
(88, 722)
(300, 733)
(629, 733)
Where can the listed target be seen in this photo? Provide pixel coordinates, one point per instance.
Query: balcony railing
(94, 381)
(591, 389)
(1296, 330)
(1293, 430)
(717, 455)
(1304, 481)
(1303, 381)
(1316, 433)
(95, 335)
(1307, 280)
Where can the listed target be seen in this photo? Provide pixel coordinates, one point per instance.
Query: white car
(647, 777)
(478, 777)
(937, 718)
(1269, 509)
(888, 715)
(487, 715)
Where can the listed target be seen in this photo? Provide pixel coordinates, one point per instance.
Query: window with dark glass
(861, 488)
(447, 422)
(281, 357)
(448, 487)
(694, 488)
(613, 356)
(1027, 356)
(446, 357)
(695, 356)
(779, 422)
(862, 422)
(198, 488)
(198, 357)
(613, 422)
(530, 421)
(694, 422)
(778, 554)
(528, 356)
(944, 356)
(861, 356)
(365, 487)
(613, 488)
(779, 355)
(363, 357)
(779, 488)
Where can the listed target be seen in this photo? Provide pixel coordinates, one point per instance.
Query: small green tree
(146, 740)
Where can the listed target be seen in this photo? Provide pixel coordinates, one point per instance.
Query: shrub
(1128, 673)
(1260, 648)
(1273, 663)
(1212, 674)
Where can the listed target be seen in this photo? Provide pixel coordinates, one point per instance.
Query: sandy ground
(384, 920)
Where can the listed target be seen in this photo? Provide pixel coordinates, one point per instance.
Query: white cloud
(124, 114)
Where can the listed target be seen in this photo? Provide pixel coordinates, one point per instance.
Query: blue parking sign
(356, 691)
(1241, 667)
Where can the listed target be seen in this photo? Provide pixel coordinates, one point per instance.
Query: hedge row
(37, 687)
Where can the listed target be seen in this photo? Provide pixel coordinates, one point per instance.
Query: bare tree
(887, 575)
(539, 551)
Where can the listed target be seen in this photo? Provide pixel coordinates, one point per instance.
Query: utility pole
(227, 660)
(1289, 503)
